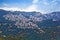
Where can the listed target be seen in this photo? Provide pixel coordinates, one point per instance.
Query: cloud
(47, 2)
(33, 7)
(53, 1)
(5, 4)
(35, 1)
(46, 6)
(11, 8)
(29, 9)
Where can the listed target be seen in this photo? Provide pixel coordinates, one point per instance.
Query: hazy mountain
(14, 20)
(53, 15)
(32, 25)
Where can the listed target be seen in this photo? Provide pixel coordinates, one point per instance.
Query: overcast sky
(43, 6)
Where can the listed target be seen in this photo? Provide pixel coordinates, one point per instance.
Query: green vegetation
(50, 34)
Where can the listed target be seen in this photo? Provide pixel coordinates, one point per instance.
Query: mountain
(29, 18)
(53, 15)
(29, 25)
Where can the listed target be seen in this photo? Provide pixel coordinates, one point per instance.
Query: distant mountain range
(14, 22)
(30, 17)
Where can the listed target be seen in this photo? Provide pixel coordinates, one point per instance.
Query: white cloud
(29, 9)
(5, 4)
(35, 1)
(33, 7)
(45, 2)
(53, 1)
(11, 8)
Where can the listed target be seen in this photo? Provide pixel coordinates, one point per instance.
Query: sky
(43, 6)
